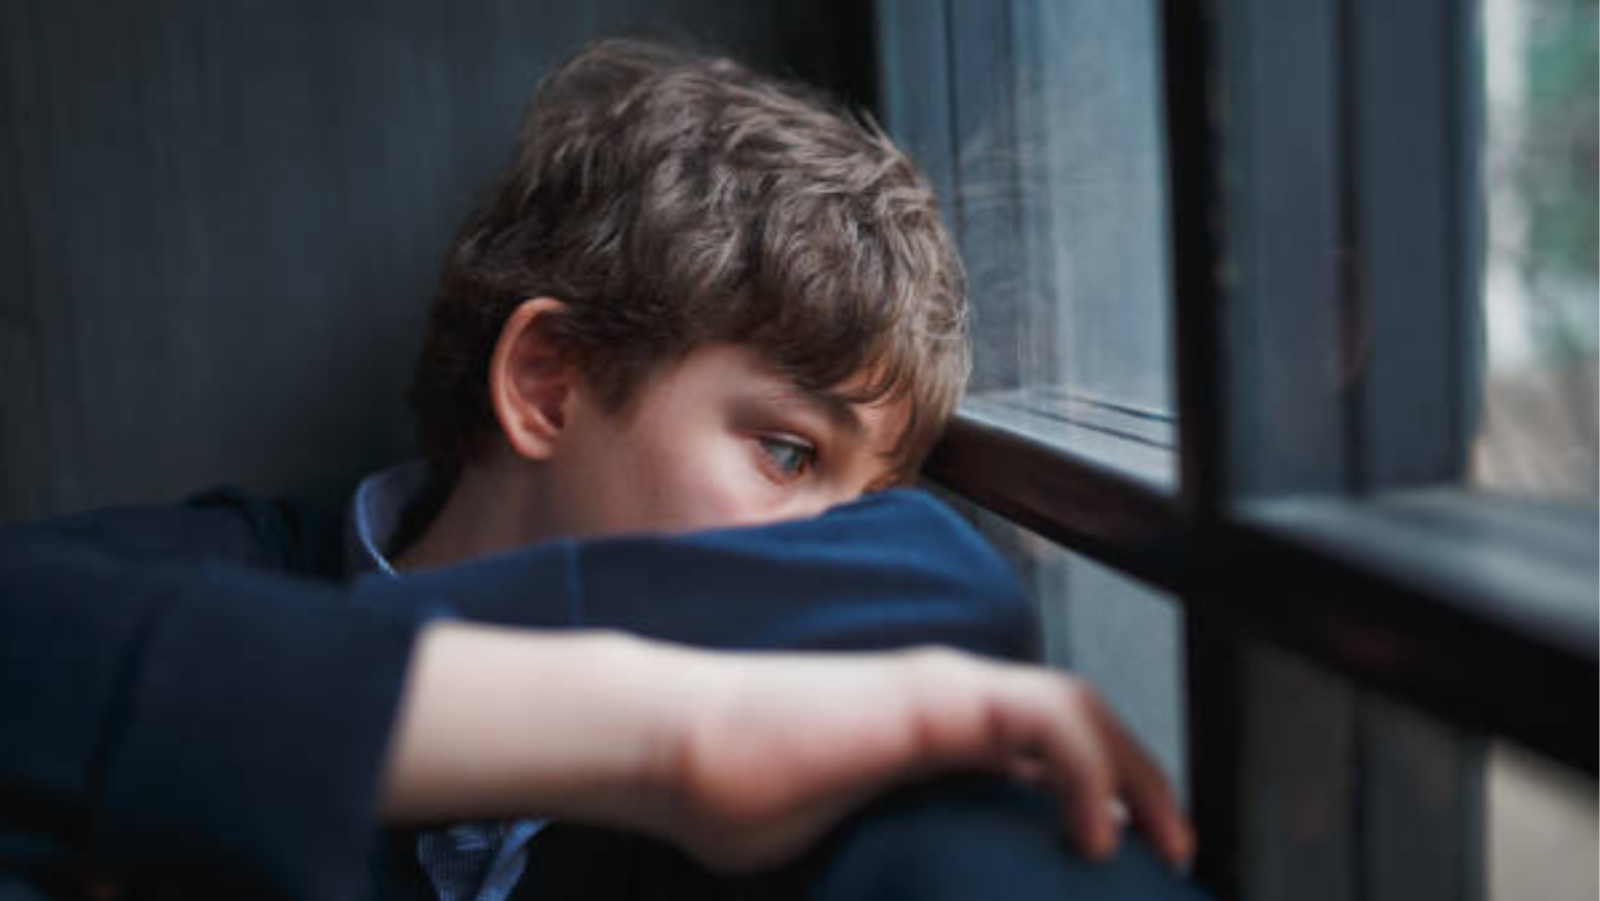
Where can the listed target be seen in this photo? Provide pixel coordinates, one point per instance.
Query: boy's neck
(484, 513)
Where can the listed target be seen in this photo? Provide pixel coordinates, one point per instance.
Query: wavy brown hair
(669, 199)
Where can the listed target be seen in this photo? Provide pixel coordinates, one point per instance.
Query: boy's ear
(531, 379)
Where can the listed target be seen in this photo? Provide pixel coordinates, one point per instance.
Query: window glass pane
(1538, 428)
(1049, 156)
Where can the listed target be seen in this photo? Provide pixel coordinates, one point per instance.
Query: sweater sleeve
(168, 717)
(891, 570)
(172, 709)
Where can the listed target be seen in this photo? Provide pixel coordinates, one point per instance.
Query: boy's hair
(671, 199)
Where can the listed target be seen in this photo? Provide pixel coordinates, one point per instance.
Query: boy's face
(718, 439)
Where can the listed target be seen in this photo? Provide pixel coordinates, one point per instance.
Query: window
(1248, 373)
(1048, 151)
(1049, 159)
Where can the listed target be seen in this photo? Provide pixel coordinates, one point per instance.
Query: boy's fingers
(1026, 768)
(1151, 804)
(1079, 765)
(1100, 769)
(1144, 789)
(1052, 728)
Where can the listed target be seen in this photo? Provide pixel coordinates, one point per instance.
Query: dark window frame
(1361, 550)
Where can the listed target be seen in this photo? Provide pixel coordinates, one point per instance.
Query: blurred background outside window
(1537, 432)
(1538, 426)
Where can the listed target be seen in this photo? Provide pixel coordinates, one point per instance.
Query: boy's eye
(790, 457)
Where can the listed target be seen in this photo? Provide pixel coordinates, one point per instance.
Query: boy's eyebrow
(844, 415)
(837, 410)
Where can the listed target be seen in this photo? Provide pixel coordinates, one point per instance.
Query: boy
(697, 299)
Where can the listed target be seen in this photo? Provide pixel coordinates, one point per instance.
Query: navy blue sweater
(194, 690)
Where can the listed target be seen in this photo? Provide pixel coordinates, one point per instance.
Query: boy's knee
(979, 837)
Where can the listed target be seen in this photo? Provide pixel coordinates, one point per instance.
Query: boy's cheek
(727, 490)
(722, 493)
(666, 492)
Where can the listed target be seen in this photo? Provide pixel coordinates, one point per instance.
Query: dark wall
(220, 222)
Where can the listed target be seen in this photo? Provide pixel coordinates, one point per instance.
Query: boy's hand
(745, 760)
(775, 749)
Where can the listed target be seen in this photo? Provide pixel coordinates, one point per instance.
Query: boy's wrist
(674, 689)
(636, 705)
(646, 697)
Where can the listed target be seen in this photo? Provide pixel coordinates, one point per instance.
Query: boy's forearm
(500, 722)
(742, 760)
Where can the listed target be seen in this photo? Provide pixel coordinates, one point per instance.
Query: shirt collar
(375, 514)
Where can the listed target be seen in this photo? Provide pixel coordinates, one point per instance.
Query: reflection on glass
(1060, 209)
(1538, 430)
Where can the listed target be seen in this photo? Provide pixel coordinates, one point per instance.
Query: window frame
(1411, 610)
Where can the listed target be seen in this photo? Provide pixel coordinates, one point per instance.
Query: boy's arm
(160, 717)
(744, 760)
(891, 570)
(163, 714)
